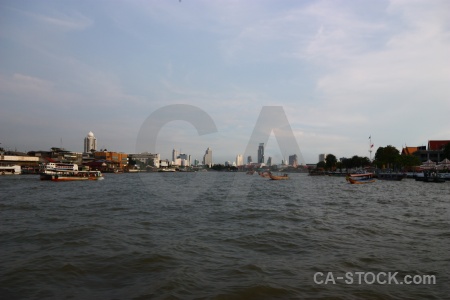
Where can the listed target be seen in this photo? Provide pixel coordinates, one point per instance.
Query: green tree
(330, 162)
(387, 157)
(407, 161)
(321, 164)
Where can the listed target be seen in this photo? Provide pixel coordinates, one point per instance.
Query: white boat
(57, 167)
(10, 170)
(72, 176)
(67, 172)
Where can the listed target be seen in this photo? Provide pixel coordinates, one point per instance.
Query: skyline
(341, 71)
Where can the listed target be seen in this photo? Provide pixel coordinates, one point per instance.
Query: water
(220, 236)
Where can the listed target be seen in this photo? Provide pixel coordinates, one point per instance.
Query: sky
(338, 71)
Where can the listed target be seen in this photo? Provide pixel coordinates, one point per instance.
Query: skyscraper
(90, 142)
(175, 154)
(239, 160)
(207, 158)
(293, 160)
(261, 153)
(269, 161)
(249, 159)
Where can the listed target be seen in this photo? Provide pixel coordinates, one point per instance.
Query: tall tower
(175, 155)
(261, 153)
(239, 160)
(90, 142)
(207, 158)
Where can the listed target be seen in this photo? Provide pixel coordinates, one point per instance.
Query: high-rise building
(207, 158)
(90, 142)
(249, 159)
(322, 157)
(269, 161)
(261, 153)
(239, 160)
(293, 160)
(175, 154)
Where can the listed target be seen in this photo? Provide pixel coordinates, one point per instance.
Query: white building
(322, 157)
(207, 158)
(239, 160)
(90, 142)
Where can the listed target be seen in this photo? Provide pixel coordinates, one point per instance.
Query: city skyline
(340, 70)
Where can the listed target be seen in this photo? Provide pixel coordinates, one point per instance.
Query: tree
(330, 162)
(321, 164)
(408, 161)
(387, 156)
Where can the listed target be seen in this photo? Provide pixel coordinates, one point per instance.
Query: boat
(72, 176)
(251, 172)
(278, 177)
(360, 178)
(391, 176)
(10, 170)
(67, 172)
(431, 177)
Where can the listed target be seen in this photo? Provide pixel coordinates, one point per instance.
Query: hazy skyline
(341, 70)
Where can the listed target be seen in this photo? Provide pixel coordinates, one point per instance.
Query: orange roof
(437, 145)
(409, 150)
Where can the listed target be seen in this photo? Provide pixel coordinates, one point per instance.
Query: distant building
(293, 160)
(90, 142)
(58, 155)
(269, 161)
(322, 157)
(261, 153)
(207, 158)
(113, 159)
(175, 154)
(434, 152)
(184, 159)
(249, 159)
(239, 160)
(146, 159)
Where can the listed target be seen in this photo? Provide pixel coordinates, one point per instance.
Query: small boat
(360, 178)
(167, 170)
(10, 170)
(431, 177)
(279, 177)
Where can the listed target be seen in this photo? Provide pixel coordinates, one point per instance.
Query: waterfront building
(293, 160)
(249, 159)
(58, 155)
(433, 152)
(207, 158)
(114, 159)
(269, 161)
(239, 160)
(146, 159)
(183, 160)
(261, 153)
(90, 142)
